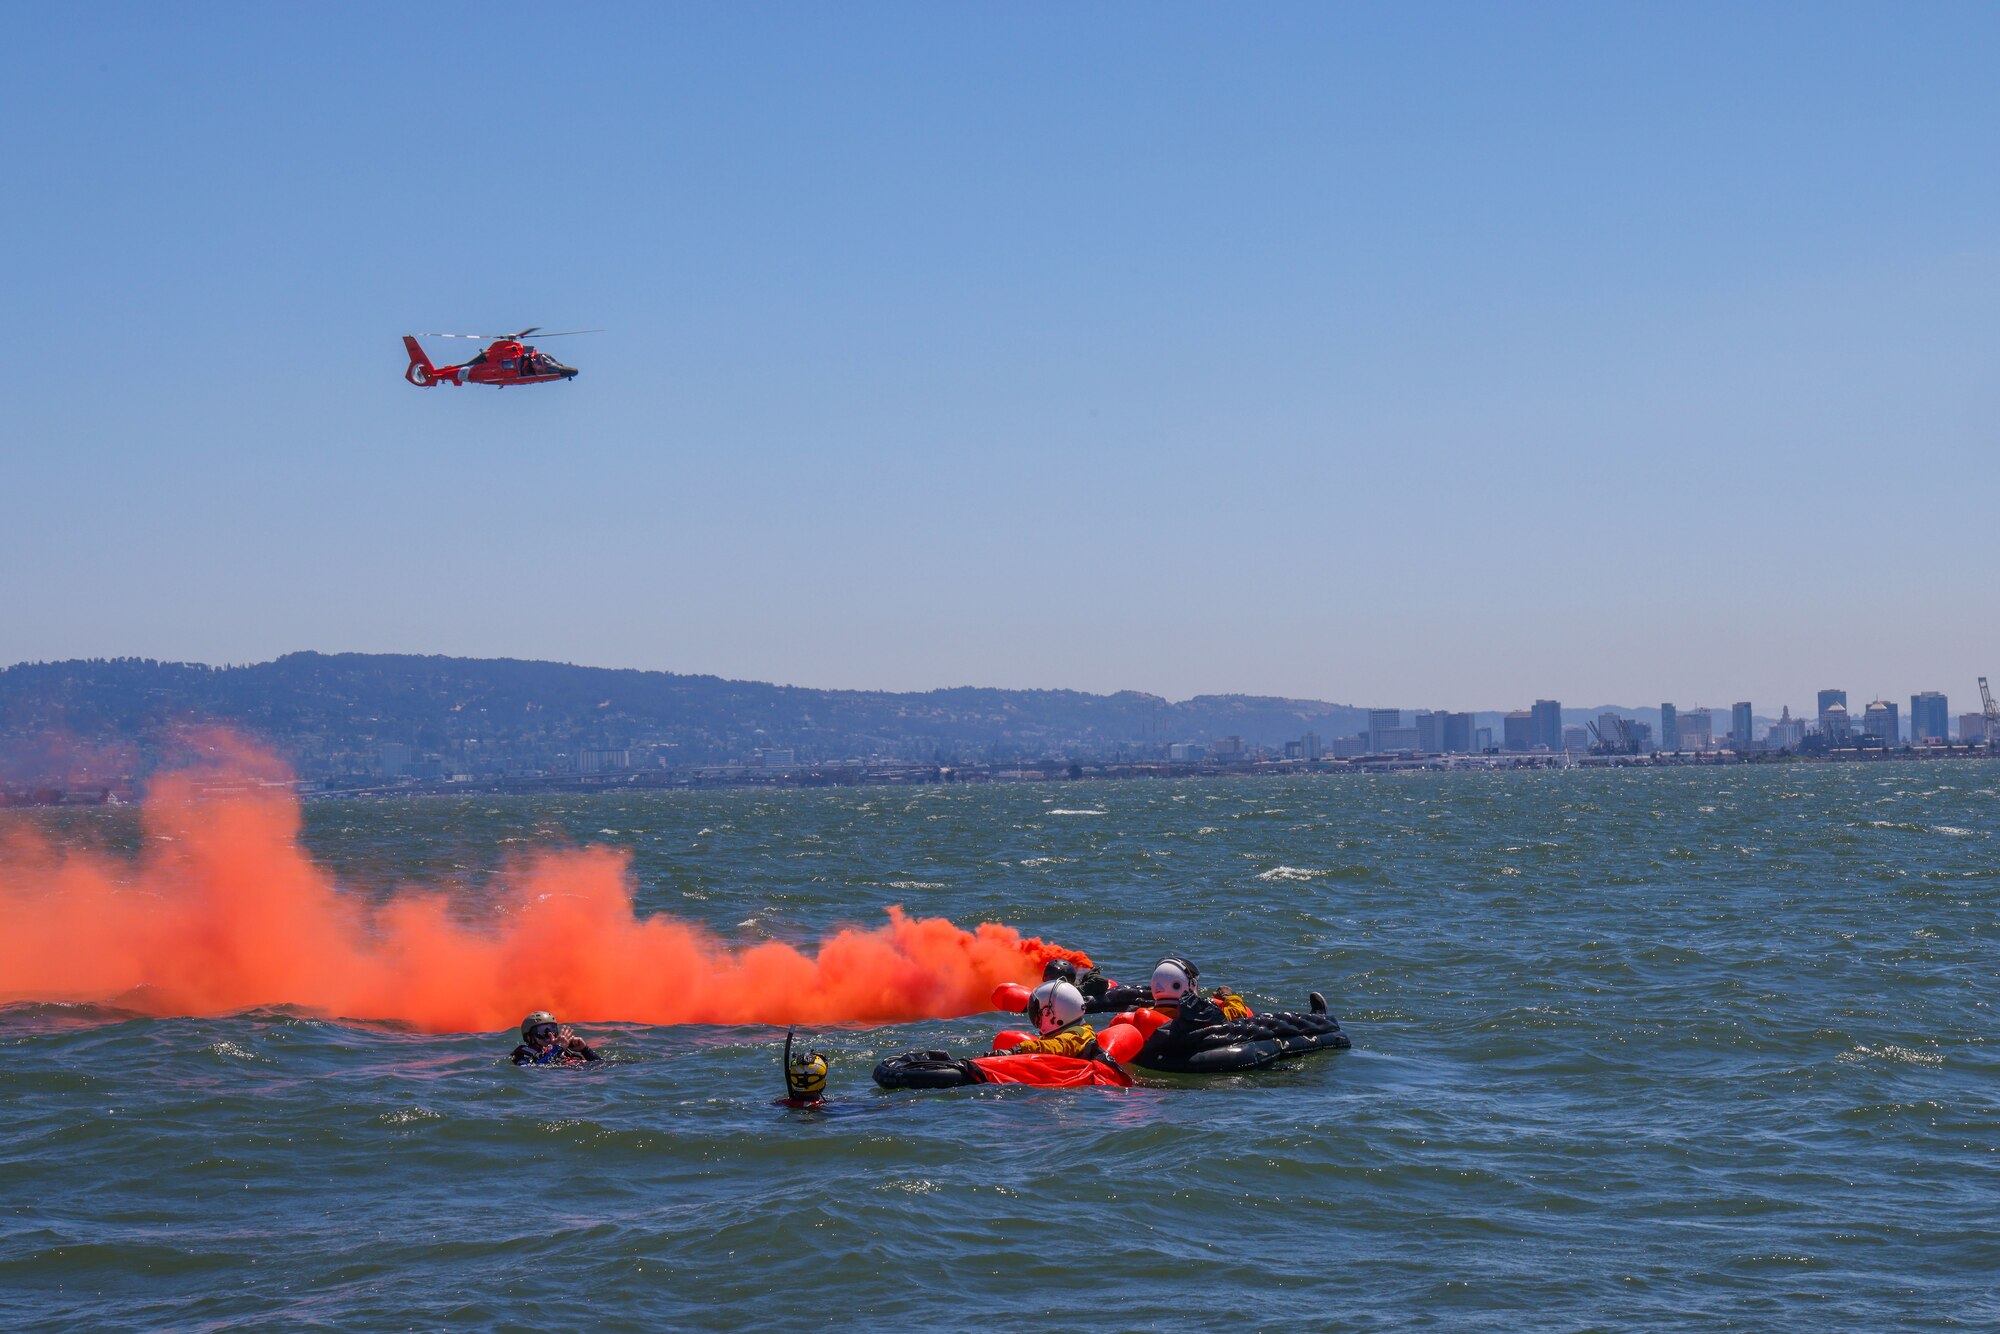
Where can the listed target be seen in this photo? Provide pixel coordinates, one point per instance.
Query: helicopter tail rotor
(420, 373)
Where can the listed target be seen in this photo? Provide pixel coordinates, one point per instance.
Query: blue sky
(1438, 355)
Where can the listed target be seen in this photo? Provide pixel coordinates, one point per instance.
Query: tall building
(1458, 738)
(1670, 728)
(1786, 733)
(1930, 717)
(1576, 740)
(1393, 740)
(1381, 721)
(1828, 701)
(609, 759)
(1880, 722)
(1548, 725)
(395, 759)
(1697, 727)
(1972, 727)
(1517, 730)
(1430, 733)
(1741, 724)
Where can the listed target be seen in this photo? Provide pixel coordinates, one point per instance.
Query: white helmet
(1054, 1005)
(1173, 978)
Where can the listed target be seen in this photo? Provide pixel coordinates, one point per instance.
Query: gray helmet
(535, 1021)
(1173, 978)
(1054, 1005)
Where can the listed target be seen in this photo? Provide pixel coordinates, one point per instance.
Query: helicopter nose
(569, 372)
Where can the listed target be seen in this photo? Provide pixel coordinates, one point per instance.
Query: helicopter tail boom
(421, 373)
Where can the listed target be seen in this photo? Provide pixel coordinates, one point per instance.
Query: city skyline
(1542, 723)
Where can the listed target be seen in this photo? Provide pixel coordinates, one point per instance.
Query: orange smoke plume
(222, 910)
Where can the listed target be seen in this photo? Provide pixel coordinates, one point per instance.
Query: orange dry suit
(1069, 1041)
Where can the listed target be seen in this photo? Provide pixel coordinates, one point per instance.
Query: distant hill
(331, 715)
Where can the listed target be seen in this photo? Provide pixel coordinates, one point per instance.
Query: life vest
(549, 1055)
(1069, 1041)
(1233, 1006)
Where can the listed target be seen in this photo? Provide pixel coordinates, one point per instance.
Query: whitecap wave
(407, 1115)
(234, 1052)
(909, 1187)
(1895, 1051)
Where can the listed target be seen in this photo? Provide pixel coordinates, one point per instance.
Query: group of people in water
(1169, 1024)
(1060, 1007)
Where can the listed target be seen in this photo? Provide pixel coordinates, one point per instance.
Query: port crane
(1621, 739)
(1992, 715)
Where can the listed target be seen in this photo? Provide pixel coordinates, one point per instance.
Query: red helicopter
(507, 361)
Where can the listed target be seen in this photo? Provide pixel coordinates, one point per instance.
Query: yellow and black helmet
(805, 1074)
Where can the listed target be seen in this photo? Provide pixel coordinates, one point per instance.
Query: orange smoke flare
(222, 910)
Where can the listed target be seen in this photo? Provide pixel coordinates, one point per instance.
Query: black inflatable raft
(1200, 1041)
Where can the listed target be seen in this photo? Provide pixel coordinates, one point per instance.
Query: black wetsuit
(575, 1054)
(1116, 1000)
(1101, 997)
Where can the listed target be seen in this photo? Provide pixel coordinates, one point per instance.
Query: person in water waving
(1056, 1010)
(546, 1042)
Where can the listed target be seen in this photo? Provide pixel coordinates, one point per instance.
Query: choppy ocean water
(1691, 1049)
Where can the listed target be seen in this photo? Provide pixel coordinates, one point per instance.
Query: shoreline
(892, 773)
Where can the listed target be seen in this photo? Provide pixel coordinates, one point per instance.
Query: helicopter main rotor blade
(513, 336)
